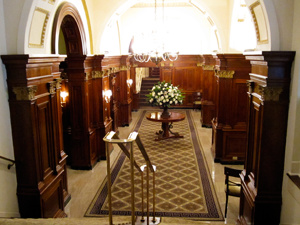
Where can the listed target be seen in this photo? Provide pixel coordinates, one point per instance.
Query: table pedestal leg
(165, 132)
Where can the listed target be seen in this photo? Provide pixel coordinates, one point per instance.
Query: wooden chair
(232, 188)
(197, 100)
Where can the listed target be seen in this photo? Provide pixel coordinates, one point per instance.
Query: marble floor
(83, 184)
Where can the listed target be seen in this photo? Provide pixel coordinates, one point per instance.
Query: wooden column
(229, 123)
(34, 97)
(101, 116)
(83, 132)
(268, 102)
(208, 93)
(125, 100)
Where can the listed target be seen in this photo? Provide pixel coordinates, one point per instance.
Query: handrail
(112, 138)
(10, 160)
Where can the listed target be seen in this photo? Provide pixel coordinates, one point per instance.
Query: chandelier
(152, 46)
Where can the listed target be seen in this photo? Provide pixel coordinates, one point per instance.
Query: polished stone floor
(83, 184)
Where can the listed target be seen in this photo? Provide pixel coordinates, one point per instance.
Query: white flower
(156, 96)
(176, 101)
(171, 102)
(153, 93)
(175, 97)
(166, 96)
(151, 100)
(166, 85)
(170, 90)
(160, 103)
(153, 88)
(167, 100)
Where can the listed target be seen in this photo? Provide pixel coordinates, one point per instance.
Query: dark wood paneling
(34, 87)
(268, 102)
(229, 123)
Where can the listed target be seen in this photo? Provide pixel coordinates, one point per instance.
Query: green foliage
(165, 94)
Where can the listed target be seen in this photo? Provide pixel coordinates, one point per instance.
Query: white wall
(290, 193)
(8, 184)
(190, 31)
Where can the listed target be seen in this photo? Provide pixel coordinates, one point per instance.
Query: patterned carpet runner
(183, 184)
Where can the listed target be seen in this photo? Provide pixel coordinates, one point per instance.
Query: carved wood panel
(44, 139)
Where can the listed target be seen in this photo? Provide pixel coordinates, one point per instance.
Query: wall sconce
(63, 95)
(129, 82)
(107, 94)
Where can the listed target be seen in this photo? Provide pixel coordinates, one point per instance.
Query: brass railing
(10, 160)
(112, 138)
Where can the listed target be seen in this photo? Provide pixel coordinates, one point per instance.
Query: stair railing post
(154, 168)
(108, 183)
(132, 183)
(142, 186)
(148, 193)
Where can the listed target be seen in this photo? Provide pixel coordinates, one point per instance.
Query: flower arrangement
(165, 94)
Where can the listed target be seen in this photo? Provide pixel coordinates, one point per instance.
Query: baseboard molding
(9, 215)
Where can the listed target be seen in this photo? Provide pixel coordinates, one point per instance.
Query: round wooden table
(166, 132)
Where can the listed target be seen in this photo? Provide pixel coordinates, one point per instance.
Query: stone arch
(68, 19)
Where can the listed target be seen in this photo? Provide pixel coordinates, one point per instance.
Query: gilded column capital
(97, 74)
(64, 75)
(224, 73)
(58, 83)
(269, 93)
(250, 85)
(208, 67)
(25, 93)
(125, 68)
(87, 75)
(51, 87)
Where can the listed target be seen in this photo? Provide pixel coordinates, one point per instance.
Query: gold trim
(162, 64)
(125, 68)
(210, 21)
(217, 37)
(269, 93)
(25, 93)
(41, 45)
(89, 25)
(201, 10)
(64, 75)
(135, 65)
(251, 8)
(250, 85)
(166, 4)
(87, 75)
(51, 87)
(97, 74)
(200, 64)
(224, 73)
(58, 83)
(171, 64)
(52, 2)
(208, 67)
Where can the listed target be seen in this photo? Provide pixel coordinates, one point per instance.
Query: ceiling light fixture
(152, 45)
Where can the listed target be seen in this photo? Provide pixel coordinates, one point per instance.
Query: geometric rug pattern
(183, 185)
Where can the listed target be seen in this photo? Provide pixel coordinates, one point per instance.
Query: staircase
(154, 72)
(147, 84)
